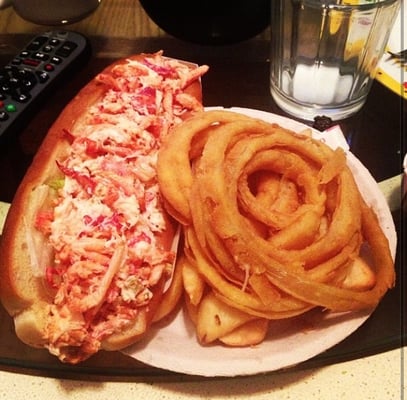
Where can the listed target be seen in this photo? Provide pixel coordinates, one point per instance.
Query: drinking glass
(324, 53)
(54, 12)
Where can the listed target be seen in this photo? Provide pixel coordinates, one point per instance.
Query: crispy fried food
(248, 334)
(273, 222)
(216, 319)
(193, 282)
(172, 295)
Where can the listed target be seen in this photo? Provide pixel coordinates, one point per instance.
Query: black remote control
(31, 73)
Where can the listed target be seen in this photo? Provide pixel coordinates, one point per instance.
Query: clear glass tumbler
(324, 53)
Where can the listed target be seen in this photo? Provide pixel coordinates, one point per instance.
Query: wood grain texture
(112, 19)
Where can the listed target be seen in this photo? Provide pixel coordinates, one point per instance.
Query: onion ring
(273, 220)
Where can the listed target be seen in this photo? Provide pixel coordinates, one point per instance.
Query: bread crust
(23, 294)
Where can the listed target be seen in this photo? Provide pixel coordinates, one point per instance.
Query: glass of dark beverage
(210, 22)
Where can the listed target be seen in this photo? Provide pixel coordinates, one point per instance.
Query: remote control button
(31, 63)
(11, 108)
(37, 43)
(56, 60)
(14, 82)
(40, 56)
(22, 97)
(42, 76)
(5, 88)
(47, 48)
(54, 42)
(27, 84)
(7, 70)
(3, 116)
(66, 49)
(26, 74)
(17, 61)
(49, 67)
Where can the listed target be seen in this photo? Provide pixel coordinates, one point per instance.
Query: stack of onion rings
(273, 220)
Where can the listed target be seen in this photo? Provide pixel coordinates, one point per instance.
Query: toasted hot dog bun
(25, 251)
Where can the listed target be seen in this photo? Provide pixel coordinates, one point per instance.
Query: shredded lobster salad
(107, 215)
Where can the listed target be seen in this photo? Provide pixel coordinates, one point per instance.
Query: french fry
(192, 310)
(193, 283)
(248, 334)
(172, 295)
(216, 319)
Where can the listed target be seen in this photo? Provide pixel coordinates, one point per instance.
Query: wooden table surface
(113, 19)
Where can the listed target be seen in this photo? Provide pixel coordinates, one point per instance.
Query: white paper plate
(172, 345)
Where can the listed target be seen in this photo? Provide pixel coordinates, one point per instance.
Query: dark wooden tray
(238, 76)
